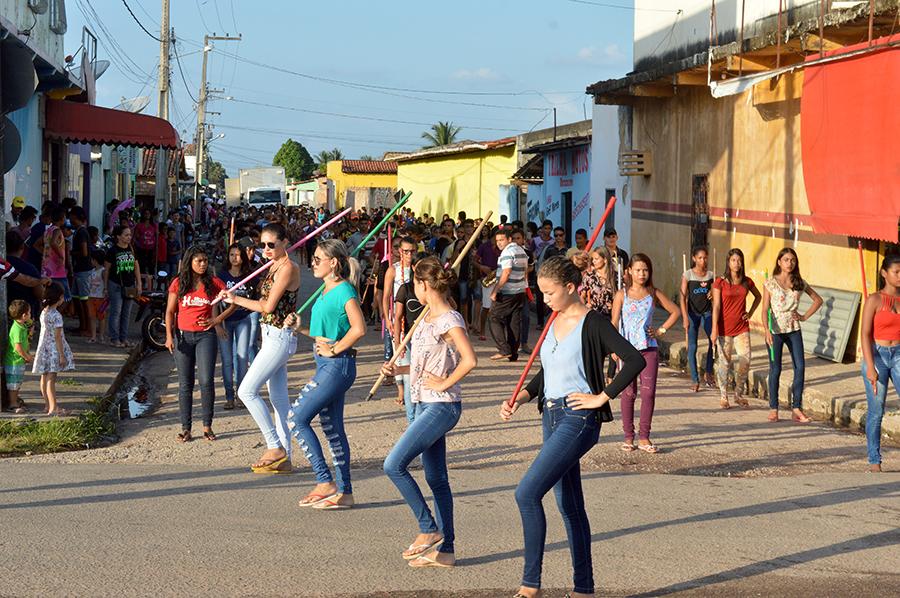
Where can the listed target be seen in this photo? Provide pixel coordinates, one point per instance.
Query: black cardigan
(599, 339)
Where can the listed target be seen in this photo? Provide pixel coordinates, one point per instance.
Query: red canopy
(849, 122)
(83, 123)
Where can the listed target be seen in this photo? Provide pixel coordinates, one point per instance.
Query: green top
(329, 318)
(18, 335)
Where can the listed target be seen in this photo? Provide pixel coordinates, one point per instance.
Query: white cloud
(483, 74)
(609, 54)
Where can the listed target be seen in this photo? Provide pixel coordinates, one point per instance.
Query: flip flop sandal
(210, 435)
(312, 499)
(229, 405)
(648, 448)
(420, 549)
(331, 504)
(427, 561)
(744, 403)
(185, 436)
(723, 403)
(628, 447)
(277, 466)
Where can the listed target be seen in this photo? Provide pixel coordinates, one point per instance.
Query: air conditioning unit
(635, 163)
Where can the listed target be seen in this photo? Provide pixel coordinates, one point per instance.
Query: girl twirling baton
(574, 401)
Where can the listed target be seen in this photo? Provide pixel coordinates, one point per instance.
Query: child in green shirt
(17, 354)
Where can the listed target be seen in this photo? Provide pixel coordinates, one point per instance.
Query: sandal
(427, 561)
(275, 466)
(185, 436)
(333, 503)
(648, 448)
(482, 338)
(696, 387)
(744, 403)
(209, 435)
(229, 405)
(20, 407)
(628, 447)
(801, 419)
(420, 549)
(312, 499)
(499, 357)
(60, 412)
(723, 403)
(773, 416)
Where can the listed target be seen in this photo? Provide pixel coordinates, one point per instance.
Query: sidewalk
(99, 369)
(833, 392)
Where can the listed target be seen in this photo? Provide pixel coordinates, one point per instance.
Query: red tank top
(887, 321)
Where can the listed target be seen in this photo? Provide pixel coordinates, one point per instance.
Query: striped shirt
(515, 259)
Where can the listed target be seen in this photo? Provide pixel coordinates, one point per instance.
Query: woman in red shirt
(190, 297)
(731, 327)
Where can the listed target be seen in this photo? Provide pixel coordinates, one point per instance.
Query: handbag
(130, 292)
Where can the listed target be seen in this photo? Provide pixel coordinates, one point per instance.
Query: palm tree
(326, 156)
(368, 158)
(443, 133)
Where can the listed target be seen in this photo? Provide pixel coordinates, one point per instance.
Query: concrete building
(359, 183)
(776, 129)
(469, 176)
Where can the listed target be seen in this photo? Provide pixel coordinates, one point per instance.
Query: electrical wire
(622, 6)
(302, 134)
(181, 70)
(202, 20)
(130, 69)
(136, 20)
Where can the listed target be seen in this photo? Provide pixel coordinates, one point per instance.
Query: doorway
(700, 210)
(566, 207)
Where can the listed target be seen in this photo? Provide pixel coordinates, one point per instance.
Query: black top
(698, 292)
(81, 263)
(20, 291)
(406, 295)
(121, 271)
(598, 340)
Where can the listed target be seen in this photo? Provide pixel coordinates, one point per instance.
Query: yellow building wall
(749, 145)
(343, 181)
(447, 184)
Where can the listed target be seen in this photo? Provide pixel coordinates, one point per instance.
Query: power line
(181, 70)
(282, 133)
(623, 6)
(119, 57)
(358, 117)
(136, 20)
(200, 11)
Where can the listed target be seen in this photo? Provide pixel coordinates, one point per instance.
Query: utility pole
(201, 119)
(162, 155)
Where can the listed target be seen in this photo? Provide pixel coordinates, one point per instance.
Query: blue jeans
(695, 321)
(278, 345)
(887, 364)
(568, 435)
(235, 352)
(426, 436)
(196, 352)
(119, 313)
(324, 396)
(254, 334)
(794, 342)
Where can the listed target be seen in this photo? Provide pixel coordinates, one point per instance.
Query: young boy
(17, 354)
(173, 252)
(97, 298)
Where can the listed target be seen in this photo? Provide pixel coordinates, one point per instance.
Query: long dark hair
(186, 274)
(245, 261)
(889, 260)
(742, 277)
(644, 258)
(797, 283)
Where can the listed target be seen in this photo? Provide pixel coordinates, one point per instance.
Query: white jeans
(270, 367)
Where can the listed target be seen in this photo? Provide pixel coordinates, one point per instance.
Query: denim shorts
(15, 374)
(82, 285)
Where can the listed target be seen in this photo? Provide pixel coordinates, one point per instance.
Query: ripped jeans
(324, 396)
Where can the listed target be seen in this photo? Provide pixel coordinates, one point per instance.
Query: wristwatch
(661, 330)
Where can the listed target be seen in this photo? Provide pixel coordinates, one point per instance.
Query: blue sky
(553, 47)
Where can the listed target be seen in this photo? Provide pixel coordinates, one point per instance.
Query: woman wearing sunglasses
(337, 323)
(277, 299)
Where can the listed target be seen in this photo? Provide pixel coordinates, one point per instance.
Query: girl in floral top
(781, 294)
(441, 356)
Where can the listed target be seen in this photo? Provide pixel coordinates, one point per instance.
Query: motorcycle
(153, 304)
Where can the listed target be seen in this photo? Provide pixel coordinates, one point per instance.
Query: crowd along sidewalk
(99, 371)
(833, 392)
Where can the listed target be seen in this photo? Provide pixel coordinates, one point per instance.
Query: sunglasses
(269, 244)
(560, 235)
(318, 260)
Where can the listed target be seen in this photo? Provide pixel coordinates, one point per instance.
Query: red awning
(83, 123)
(848, 126)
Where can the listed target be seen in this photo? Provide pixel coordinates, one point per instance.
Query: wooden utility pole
(201, 119)
(162, 155)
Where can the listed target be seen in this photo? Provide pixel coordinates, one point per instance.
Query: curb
(842, 412)
(134, 356)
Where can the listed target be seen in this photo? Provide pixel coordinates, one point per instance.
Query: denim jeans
(794, 341)
(695, 322)
(887, 364)
(196, 352)
(254, 334)
(119, 313)
(324, 396)
(270, 367)
(235, 352)
(568, 435)
(426, 436)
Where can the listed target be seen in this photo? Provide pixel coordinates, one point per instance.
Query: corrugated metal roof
(368, 167)
(456, 148)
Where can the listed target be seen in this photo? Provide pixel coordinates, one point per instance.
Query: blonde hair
(581, 259)
(603, 252)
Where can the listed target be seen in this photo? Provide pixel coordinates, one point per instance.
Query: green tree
(295, 159)
(326, 156)
(215, 173)
(367, 158)
(442, 133)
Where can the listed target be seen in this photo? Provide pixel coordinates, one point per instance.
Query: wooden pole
(406, 338)
(537, 346)
(862, 269)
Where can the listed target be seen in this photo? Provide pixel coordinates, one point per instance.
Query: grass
(69, 382)
(54, 435)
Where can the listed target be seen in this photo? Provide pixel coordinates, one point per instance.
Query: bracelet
(331, 348)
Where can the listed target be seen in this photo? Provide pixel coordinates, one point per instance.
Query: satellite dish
(99, 68)
(12, 144)
(134, 104)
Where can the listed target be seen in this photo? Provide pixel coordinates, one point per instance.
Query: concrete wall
(749, 145)
(25, 177)
(568, 171)
(343, 181)
(607, 131)
(447, 184)
(48, 43)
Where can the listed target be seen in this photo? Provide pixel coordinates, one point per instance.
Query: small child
(17, 354)
(97, 303)
(173, 251)
(53, 354)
